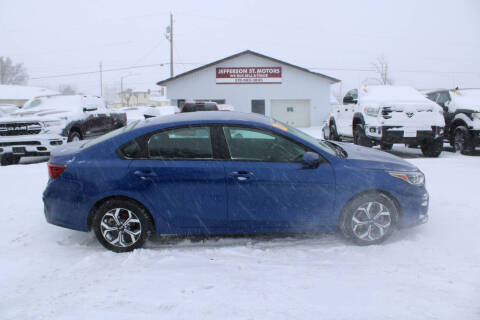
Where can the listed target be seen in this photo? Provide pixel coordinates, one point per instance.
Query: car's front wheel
(369, 219)
(432, 148)
(122, 225)
(463, 141)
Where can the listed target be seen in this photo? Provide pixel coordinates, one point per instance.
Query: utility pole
(169, 36)
(101, 80)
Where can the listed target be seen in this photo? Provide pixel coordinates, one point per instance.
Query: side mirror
(349, 100)
(310, 160)
(85, 109)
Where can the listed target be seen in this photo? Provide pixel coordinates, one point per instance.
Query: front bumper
(404, 135)
(30, 145)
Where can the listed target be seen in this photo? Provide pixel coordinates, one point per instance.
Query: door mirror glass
(310, 160)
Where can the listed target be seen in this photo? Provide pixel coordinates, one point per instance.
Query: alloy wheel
(120, 227)
(371, 221)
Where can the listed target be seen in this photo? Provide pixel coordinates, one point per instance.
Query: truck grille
(20, 128)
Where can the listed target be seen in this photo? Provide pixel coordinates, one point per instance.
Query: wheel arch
(375, 192)
(119, 197)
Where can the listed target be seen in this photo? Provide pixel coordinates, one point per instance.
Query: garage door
(293, 112)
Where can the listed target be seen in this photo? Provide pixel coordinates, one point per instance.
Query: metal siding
(296, 85)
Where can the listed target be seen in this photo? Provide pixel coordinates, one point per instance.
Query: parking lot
(428, 272)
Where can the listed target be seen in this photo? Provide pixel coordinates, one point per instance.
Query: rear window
(111, 134)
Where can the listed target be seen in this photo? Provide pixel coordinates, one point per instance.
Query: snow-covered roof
(391, 94)
(467, 98)
(11, 92)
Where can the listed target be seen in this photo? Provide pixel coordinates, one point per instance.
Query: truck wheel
(333, 135)
(433, 148)
(9, 159)
(74, 136)
(386, 146)
(463, 140)
(359, 136)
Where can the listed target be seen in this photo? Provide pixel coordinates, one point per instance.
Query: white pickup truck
(44, 123)
(386, 115)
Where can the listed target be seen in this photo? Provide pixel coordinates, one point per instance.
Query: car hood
(38, 114)
(369, 158)
(42, 113)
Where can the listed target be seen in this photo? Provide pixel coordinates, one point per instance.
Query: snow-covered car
(386, 115)
(152, 112)
(462, 117)
(44, 123)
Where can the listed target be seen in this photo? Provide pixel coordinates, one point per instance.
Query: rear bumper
(404, 135)
(30, 145)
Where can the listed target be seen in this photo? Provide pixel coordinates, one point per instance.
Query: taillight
(55, 170)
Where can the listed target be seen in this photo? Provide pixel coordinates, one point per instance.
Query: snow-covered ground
(428, 272)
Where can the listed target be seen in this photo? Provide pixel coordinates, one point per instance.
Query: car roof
(208, 116)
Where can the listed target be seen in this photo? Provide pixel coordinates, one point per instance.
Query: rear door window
(259, 145)
(181, 143)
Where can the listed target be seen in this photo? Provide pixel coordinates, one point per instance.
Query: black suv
(462, 116)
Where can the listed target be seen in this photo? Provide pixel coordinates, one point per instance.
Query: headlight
(53, 123)
(416, 178)
(371, 111)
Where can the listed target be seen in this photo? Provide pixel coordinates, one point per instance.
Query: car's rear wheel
(369, 219)
(122, 225)
(74, 136)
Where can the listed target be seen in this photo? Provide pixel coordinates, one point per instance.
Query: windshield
(302, 135)
(111, 134)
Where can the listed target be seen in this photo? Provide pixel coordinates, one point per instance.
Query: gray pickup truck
(46, 122)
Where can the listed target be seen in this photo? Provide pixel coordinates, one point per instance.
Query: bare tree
(66, 89)
(12, 73)
(381, 68)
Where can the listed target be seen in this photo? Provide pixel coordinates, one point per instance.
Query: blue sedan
(228, 173)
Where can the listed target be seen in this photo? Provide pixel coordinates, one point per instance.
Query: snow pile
(11, 92)
(428, 272)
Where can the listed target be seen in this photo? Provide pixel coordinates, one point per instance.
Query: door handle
(241, 175)
(144, 174)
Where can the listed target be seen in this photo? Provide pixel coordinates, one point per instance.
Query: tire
(433, 148)
(74, 136)
(369, 218)
(360, 138)
(333, 134)
(463, 140)
(386, 146)
(9, 159)
(111, 227)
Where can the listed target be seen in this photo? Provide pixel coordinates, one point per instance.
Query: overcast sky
(427, 43)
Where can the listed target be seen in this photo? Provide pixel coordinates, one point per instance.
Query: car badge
(409, 114)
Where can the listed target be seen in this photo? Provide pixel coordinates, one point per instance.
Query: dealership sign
(249, 75)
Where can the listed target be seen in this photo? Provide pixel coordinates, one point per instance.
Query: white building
(253, 82)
